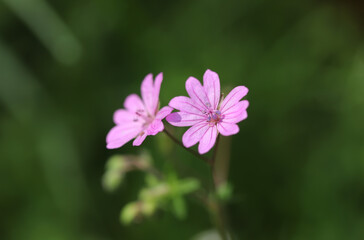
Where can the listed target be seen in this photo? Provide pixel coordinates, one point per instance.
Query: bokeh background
(297, 165)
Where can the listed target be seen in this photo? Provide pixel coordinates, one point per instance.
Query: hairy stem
(219, 221)
(213, 162)
(208, 161)
(216, 210)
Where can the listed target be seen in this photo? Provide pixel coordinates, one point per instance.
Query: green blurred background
(297, 164)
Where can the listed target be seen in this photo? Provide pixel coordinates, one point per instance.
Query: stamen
(140, 115)
(214, 117)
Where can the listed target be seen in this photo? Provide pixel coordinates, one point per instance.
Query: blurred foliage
(118, 165)
(297, 164)
(224, 191)
(158, 192)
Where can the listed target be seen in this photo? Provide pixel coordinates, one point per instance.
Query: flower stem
(213, 160)
(208, 161)
(215, 149)
(216, 210)
(219, 221)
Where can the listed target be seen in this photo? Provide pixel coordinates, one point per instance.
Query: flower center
(141, 115)
(213, 117)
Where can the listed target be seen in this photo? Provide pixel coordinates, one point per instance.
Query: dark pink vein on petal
(206, 133)
(211, 134)
(232, 107)
(202, 125)
(199, 98)
(193, 113)
(194, 107)
(223, 126)
(227, 100)
(192, 120)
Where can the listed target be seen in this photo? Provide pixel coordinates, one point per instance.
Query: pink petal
(194, 134)
(148, 94)
(163, 112)
(233, 97)
(133, 103)
(157, 86)
(208, 140)
(123, 116)
(121, 134)
(182, 119)
(211, 83)
(227, 129)
(139, 139)
(197, 93)
(116, 144)
(119, 130)
(186, 104)
(155, 127)
(236, 113)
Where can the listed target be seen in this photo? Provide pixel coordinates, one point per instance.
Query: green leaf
(148, 207)
(151, 180)
(224, 191)
(179, 207)
(114, 174)
(115, 163)
(112, 180)
(129, 213)
(156, 193)
(188, 185)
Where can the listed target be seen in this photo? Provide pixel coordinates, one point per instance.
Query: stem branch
(216, 209)
(208, 161)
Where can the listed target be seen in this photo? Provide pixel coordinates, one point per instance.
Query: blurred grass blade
(49, 28)
(16, 79)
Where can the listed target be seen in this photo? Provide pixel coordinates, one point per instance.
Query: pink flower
(206, 112)
(140, 118)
